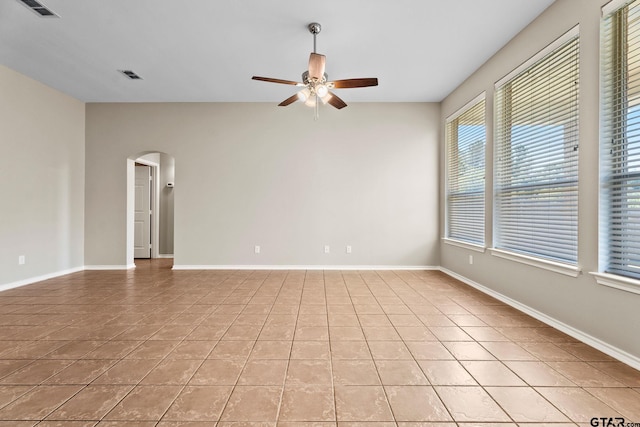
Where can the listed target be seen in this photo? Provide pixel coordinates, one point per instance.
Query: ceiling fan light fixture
(304, 94)
(310, 101)
(322, 90)
(326, 98)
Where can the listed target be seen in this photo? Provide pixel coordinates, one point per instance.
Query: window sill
(465, 245)
(617, 282)
(556, 267)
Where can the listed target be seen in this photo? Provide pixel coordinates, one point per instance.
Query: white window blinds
(536, 155)
(620, 141)
(466, 137)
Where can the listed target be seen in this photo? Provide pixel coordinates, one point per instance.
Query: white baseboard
(31, 280)
(615, 352)
(165, 256)
(110, 267)
(304, 267)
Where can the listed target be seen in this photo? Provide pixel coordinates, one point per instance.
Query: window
(466, 137)
(620, 141)
(536, 156)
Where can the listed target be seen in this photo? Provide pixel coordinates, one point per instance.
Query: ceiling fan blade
(316, 65)
(349, 83)
(289, 100)
(336, 101)
(269, 79)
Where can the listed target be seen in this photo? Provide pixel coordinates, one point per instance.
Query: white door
(142, 221)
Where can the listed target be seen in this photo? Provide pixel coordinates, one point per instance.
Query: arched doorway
(153, 209)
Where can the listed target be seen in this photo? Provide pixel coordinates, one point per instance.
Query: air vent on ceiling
(130, 74)
(39, 8)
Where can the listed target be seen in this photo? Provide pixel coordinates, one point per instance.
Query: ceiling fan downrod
(314, 28)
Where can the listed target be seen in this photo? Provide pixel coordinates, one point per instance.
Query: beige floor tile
(337, 319)
(492, 373)
(113, 350)
(171, 372)
(253, 403)
(232, 349)
(450, 333)
(415, 333)
(446, 373)
(428, 350)
(525, 405)
(471, 404)
(416, 403)
(36, 372)
(264, 372)
(400, 372)
(585, 375)
(350, 350)
(548, 352)
(621, 372)
(271, 350)
(307, 403)
(152, 350)
(484, 333)
(9, 393)
(311, 350)
(199, 403)
(218, 372)
(39, 402)
(273, 333)
(355, 372)
(362, 403)
(311, 333)
(539, 374)
(128, 371)
(576, 403)
(507, 351)
(624, 400)
(346, 333)
(192, 350)
(91, 403)
(145, 403)
(389, 350)
(307, 372)
(74, 349)
(380, 333)
(241, 333)
(81, 372)
(468, 350)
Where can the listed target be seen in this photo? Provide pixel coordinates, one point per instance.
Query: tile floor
(154, 347)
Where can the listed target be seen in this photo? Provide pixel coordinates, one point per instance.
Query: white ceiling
(207, 50)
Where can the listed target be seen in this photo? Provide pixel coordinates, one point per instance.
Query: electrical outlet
(470, 259)
(256, 249)
(21, 260)
(327, 249)
(348, 249)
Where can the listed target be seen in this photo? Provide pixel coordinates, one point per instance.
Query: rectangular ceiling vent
(39, 8)
(130, 74)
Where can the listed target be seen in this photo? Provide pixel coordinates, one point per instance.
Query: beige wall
(256, 174)
(42, 179)
(607, 314)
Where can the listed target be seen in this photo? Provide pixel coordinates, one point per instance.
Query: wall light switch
(327, 249)
(470, 259)
(348, 249)
(256, 249)
(21, 260)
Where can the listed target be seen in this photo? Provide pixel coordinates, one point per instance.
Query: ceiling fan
(315, 83)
